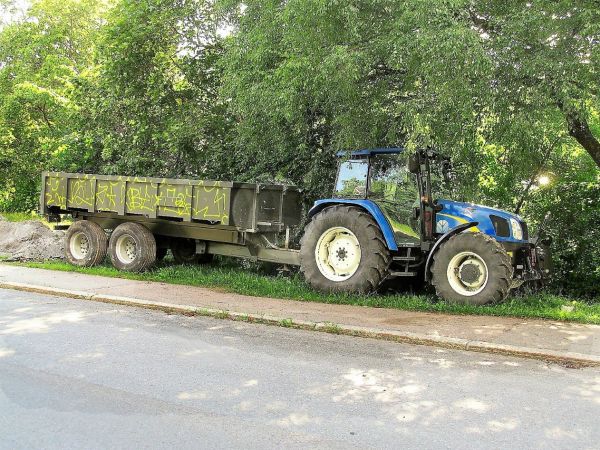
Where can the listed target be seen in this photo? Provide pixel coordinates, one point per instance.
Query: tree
(546, 61)
(155, 110)
(41, 56)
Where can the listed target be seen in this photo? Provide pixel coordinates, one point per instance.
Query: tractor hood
(501, 225)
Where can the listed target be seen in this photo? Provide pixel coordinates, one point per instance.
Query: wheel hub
(79, 245)
(467, 273)
(470, 273)
(126, 249)
(84, 246)
(130, 249)
(338, 254)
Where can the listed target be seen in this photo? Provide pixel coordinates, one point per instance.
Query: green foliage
(154, 109)
(40, 60)
(154, 87)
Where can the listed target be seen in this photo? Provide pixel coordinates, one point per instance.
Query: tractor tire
(472, 269)
(132, 247)
(86, 244)
(343, 250)
(184, 252)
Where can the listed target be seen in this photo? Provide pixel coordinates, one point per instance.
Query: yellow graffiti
(186, 199)
(140, 199)
(53, 194)
(79, 193)
(179, 203)
(220, 201)
(106, 194)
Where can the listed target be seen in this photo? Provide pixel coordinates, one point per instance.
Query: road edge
(569, 359)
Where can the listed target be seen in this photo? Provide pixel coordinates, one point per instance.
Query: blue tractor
(383, 223)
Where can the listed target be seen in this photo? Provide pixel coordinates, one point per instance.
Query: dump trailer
(382, 226)
(147, 216)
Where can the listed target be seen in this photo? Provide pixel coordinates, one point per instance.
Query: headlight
(517, 231)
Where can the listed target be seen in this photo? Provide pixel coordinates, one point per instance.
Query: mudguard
(369, 206)
(458, 229)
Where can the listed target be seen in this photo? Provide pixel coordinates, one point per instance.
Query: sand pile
(30, 240)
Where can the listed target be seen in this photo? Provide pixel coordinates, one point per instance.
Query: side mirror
(413, 163)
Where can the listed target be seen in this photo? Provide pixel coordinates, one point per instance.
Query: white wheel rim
(338, 254)
(79, 245)
(126, 249)
(467, 273)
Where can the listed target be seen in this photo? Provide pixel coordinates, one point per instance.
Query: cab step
(404, 258)
(402, 274)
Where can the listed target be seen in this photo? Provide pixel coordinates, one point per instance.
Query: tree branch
(579, 129)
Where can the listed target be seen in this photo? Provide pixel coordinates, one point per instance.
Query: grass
(19, 216)
(231, 276)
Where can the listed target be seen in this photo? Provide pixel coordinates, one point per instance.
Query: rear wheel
(132, 247)
(343, 250)
(86, 244)
(161, 253)
(472, 268)
(184, 252)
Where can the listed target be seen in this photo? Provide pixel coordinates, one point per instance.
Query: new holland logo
(442, 226)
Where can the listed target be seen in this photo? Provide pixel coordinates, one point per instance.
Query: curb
(569, 359)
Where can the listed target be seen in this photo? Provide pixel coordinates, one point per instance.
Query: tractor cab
(383, 177)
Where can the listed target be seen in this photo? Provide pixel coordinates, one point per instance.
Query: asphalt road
(77, 374)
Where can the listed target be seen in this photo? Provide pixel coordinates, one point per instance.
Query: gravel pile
(30, 240)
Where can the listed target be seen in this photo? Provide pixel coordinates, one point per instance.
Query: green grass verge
(231, 277)
(32, 215)
(19, 216)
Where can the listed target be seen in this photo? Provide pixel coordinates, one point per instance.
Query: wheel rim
(467, 273)
(338, 254)
(126, 249)
(79, 245)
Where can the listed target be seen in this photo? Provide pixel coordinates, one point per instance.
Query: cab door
(395, 191)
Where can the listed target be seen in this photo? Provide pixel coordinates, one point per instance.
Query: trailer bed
(248, 207)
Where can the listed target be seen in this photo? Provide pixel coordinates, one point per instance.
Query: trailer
(193, 218)
(381, 226)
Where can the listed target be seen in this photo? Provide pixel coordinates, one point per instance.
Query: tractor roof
(371, 151)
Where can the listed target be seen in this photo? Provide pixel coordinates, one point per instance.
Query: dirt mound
(30, 240)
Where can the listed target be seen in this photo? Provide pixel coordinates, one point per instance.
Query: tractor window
(396, 192)
(352, 179)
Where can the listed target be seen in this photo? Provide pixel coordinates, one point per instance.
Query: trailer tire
(86, 244)
(184, 252)
(361, 252)
(132, 247)
(161, 253)
(472, 269)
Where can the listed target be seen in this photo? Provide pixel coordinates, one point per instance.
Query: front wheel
(343, 250)
(473, 269)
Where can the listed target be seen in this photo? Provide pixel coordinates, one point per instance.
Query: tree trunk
(580, 130)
